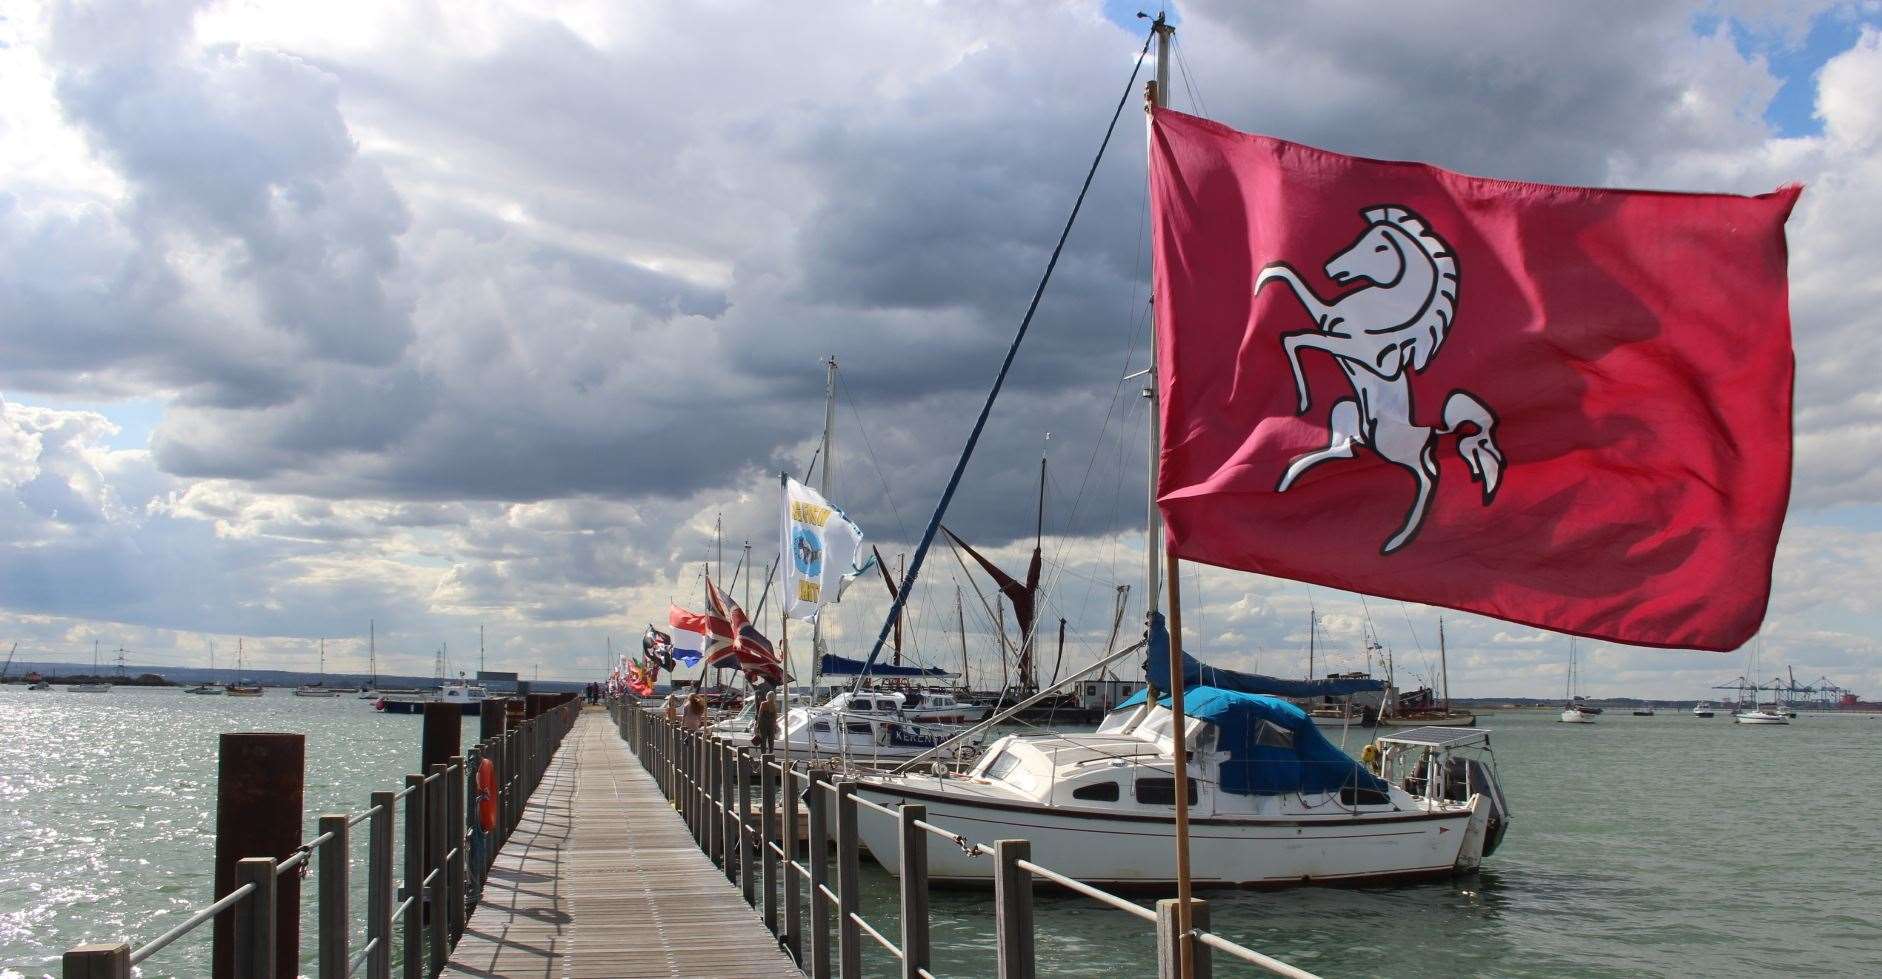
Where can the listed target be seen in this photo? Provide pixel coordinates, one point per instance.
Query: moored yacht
(1760, 715)
(1272, 801)
(1702, 709)
(469, 698)
(866, 726)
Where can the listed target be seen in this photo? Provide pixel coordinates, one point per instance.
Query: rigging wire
(1006, 366)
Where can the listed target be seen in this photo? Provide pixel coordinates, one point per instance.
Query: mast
(480, 648)
(372, 651)
(1444, 668)
(823, 487)
(901, 617)
(960, 624)
(747, 566)
(323, 661)
(718, 537)
(1153, 526)
(1313, 620)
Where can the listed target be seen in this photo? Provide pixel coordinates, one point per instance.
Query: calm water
(1664, 845)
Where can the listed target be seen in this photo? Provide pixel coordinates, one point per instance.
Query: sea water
(1666, 845)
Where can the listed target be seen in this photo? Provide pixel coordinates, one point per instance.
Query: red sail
(1561, 406)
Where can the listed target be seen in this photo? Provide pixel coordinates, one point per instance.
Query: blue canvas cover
(1262, 760)
(1199, 674)
(834, 665)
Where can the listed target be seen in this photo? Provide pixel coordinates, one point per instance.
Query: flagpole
(1158, 97)
(823, 489)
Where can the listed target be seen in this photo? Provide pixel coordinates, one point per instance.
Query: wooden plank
(602, 880)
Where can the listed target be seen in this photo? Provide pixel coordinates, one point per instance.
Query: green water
(1641, 846)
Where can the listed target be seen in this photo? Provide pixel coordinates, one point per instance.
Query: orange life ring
(487, 795)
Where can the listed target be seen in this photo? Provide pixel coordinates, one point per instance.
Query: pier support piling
(259, 785)
(1012, 907)
(334, 924)
(1170, 937)
(97, 962)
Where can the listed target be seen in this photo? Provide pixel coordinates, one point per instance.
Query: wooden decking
(602, 881)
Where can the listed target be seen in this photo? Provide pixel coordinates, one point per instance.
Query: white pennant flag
(820, 547)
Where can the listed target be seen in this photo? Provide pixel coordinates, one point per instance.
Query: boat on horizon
(319, 688)
(467, 696)
(1574, 711)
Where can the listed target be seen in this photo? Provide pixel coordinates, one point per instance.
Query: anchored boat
(1271, 800)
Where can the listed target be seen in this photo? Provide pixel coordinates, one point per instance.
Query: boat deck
(602, 880)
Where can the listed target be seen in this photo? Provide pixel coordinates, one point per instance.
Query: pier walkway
(602, 880)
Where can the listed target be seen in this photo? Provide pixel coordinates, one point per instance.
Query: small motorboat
(1577, 714)
(242, 688)
(1643, 712)
(1702, 709)
(205, 689)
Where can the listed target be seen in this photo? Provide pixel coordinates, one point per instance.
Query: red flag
(639, 683)
(1562, 406)
(743, 646)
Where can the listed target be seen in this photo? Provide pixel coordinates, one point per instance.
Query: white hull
(316, 692)
(1760, 718)
(89, 688)
(1573, 716)
(1101, 848)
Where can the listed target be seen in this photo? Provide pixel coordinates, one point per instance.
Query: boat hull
(418, 706)
(1111, 850)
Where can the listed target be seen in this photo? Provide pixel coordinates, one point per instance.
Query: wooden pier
(601, 879)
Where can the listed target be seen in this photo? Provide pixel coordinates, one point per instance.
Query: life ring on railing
(487, 795)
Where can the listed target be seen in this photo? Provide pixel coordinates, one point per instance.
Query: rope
(999, 380)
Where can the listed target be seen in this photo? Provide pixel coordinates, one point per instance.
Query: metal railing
(712, 782)
(442, 832)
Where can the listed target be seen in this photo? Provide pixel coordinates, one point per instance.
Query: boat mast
(480, 649)
(372, 652)
(960, 623)
(1444, 668)
(823, 488)
(323, 661)
(1313, 620)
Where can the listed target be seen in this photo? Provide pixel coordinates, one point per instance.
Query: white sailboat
(319, 689)
(1573, 710)
(1762, 713)
(241, 687)
(95, 685)
(207, 689)
(371, 690)
(1250, 792)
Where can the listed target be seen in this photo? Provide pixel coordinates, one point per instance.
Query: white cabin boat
(1702, 709)
(1272, 802)
(866, 726)
(1760, 715)
(467, 696)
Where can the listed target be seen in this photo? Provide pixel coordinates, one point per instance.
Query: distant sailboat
(1573, 712)
(206, 688)
(241, 687)
(319, 689)
(96, 685)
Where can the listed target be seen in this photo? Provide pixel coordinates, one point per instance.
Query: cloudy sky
(443, 316)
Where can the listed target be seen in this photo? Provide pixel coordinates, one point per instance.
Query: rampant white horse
(1381, 334)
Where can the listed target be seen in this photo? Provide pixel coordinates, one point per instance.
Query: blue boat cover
(1273, 746)
(834, 665)
(1198, 674)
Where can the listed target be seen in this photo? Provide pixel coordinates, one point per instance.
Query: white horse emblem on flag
(1380, 334)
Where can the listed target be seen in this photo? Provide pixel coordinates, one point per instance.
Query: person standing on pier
(765, 723)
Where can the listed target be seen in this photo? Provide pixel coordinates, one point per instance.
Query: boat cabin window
(1162, 791)
(821, 727)
(1003, 765)
(1100, 792)
(860, 727)
(1273, 735)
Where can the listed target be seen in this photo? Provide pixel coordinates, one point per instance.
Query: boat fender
(882, 735)
(487, 795)
(1370, 757)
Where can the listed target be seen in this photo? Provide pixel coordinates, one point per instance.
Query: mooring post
(255, 945)
(456, 862)
(747, 880)
(709, 747)
(334, 955)
(1170, 938)
(437, 819)
(1012, 908)
(412, 893)
(817, 857)
(728, 790)
(443, 733)
(259, 782)
(96, 962)
(379, 886)
(914, 882)
(767, 811)
(848, 898)
(793, 898)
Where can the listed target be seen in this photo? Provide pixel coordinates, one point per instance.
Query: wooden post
(848, 898)
(715, 825)
(1012, 907)
(747, 880)
(817, 858)
(334, 924)
(793, 898)
(457, 840)
(1170, 939)
(767, 811)
(436, 822)
(97, 962)
(413, 927)
(443, 733)
(728, 791)
(254, 949)
(914, 881)
(379, 887)
(491, 715)
(259, 781)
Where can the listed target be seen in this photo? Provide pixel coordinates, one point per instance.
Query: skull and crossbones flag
(1562, 406)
